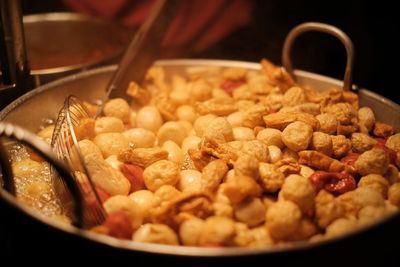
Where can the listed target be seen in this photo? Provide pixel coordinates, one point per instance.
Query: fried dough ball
(243, 134)
(143, 199)
(340, 145)
(186, 113)
(174, 151)
(219, 126)
(327, 209)
(394, 194)
(156, 233)
(294, 96)
(275, 154)
(173, 131)
(190, 231)
(366, 117)
(119, 108)
(322, 142)
(271, 137)
(162, 172)
(258, 149)
(393, 142)
(202, 123)
(124, 203)
(108, 125)
(372, 161)
(149, 118)
(282, 219)
(217, 231)
(271, 179)
(298, 189)
(361, 142)
(140, 137)
(297, 135)
(111, 143)
(250, 212)
(376, 182)
(327, 122)
(190, 180)
(236, 118)
(341, 226)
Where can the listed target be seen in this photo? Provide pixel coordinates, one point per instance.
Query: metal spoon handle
(142, 51)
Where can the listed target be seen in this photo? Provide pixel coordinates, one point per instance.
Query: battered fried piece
(280, 120)
(142, 157)
(320, 161)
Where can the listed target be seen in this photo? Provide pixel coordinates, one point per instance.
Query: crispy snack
(240, 188)
(281, 120)
(216, 106)
(222, 151)
(140, 95)
(383, 130)
(199, 159)
(143, 157)
(320, 161)
(278, 76)
(187, 203)
(213, 174)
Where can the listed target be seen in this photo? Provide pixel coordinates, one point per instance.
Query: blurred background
(252, 29)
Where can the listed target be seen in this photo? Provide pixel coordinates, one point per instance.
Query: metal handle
(143, 48)
(324, 28)
(13, 55)
(44, 150)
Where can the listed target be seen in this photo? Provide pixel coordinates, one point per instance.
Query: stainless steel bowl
(29, 111)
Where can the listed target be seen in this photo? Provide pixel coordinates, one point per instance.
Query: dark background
(370, 24)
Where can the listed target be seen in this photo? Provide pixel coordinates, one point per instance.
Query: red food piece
(381, 141)
(350, 159)
(230, 85)
(333, 182)
(134, 174)
(89, 194)
(119, 225)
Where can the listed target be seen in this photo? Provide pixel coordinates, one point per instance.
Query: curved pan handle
(44, 150)
(324, 28)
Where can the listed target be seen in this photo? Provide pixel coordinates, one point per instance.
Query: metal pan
(29, 111)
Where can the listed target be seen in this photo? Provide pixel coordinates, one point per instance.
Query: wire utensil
(64, 143)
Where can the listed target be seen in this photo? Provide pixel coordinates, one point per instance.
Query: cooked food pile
(233, 157)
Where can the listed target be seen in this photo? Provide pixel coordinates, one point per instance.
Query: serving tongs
(139, 56)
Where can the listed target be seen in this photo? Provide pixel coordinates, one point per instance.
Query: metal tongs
(139, 56)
